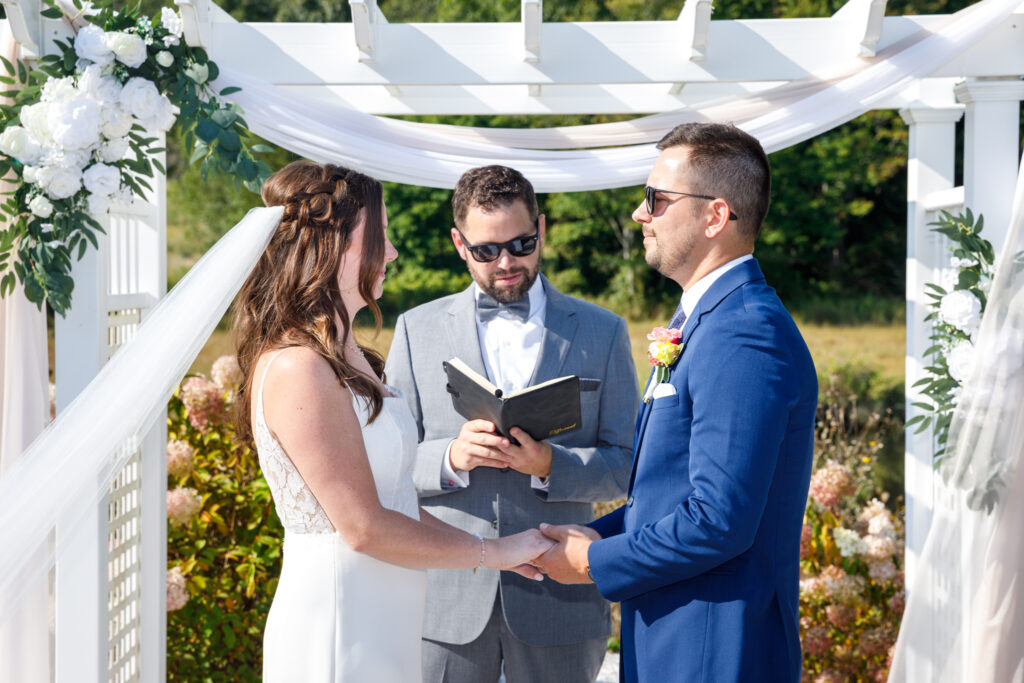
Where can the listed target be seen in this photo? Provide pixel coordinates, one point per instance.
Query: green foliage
(230, 553)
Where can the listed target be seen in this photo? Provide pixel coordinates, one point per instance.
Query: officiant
(514, 327)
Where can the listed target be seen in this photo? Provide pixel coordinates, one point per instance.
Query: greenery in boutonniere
(956, 308)
(78, 135)
(666, 345)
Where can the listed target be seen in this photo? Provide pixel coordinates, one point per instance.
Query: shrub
(224, 542)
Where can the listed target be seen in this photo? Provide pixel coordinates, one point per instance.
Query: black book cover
(542, 410)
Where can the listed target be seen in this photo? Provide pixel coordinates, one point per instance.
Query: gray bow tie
(487, 308)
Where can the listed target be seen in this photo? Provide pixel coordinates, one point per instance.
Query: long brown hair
(292, 297)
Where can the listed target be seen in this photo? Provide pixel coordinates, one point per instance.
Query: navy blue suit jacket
(705, 554)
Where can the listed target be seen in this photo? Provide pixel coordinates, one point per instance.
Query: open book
(542, 410)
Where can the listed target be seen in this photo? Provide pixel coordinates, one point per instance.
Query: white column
(991, 151)
(81, 572)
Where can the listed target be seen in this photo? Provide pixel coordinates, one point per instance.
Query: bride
(336, 444)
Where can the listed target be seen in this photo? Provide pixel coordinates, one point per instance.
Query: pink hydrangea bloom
(874, 642)
(841, 616)
(898, 603)
(880, 547)
(817, 641)
(666, 335)
(182, 505)
(179, 458)
(226, 373)
(843, 588)
(203, 402)
(830, 676)
(806, 535)
(177, 591)
(883, 571)
(830, 484)
(813, 588)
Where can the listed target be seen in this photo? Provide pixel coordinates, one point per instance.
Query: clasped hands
(477, 445)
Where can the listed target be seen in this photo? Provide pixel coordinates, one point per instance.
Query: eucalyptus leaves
(79, 136)
(958, 303)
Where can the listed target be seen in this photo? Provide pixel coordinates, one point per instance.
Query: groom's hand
(567, 562)
(478, 446)
(530, 456)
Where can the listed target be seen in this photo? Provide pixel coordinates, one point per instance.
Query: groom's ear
(459, 246)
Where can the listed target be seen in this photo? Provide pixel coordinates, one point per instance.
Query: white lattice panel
(124, 509)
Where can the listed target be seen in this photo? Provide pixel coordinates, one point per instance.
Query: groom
(705, 554)
(514, 327)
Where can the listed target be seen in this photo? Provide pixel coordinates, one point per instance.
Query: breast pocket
(665, 402)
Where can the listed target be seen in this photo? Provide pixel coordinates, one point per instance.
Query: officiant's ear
(459, 246)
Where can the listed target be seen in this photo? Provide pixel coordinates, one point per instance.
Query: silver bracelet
(483, 552)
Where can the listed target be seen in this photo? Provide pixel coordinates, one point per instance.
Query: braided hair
(291, 297)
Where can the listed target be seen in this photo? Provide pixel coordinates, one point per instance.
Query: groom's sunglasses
(650, 197)
(485, 252)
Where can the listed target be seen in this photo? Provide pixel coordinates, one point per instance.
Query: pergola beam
(366, 18)
(864, 21)
(533, 18)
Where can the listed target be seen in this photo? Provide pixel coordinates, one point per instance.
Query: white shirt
(691, 297)
(510, 349)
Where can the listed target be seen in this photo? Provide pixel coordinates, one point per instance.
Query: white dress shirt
(691, 297)
(510, 349)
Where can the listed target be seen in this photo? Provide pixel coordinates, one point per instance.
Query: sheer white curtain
(24, 412)
(437, 155)
(965, 615)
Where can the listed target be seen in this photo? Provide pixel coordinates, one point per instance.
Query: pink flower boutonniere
(666, 345)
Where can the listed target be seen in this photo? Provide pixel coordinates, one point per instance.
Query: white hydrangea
(36, 119)
(41, 206)
(115, 122)
(91, 44)
(129, 48)
(75, 122)
(114, 150)
(961, 309)
(59, 90)
(949, 278)
(957, 262)
(849, 542)
(19, 143)
(98, 205)
(104, 88)
(961, 361)
(172, 21)
(102, 179)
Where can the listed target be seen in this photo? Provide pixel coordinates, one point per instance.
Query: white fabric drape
(72, 462)
(965, 618)
(432, 155)
(24, 412)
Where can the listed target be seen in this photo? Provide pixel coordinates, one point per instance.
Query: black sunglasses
(651, 192)
(485, 252)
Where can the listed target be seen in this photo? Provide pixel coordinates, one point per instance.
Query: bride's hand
(513, 553)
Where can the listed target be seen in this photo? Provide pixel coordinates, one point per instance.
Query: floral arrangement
(958, 303)
(79, 132)
(224, 539)
(666, 345)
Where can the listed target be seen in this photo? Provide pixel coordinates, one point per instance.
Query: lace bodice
(390, 443)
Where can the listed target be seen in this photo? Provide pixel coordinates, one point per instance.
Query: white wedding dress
(338, 615)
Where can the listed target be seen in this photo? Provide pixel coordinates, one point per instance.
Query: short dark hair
(728, 163)
(491, 187)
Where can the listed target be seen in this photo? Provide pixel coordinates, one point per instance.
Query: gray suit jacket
(590, 464)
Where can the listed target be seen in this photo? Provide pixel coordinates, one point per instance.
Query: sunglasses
(650, 195)
(485, 252)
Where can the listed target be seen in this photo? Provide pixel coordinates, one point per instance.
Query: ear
(542, 227)
(459, 246)
(719, 218)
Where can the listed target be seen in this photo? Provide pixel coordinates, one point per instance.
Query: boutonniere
(666, 345)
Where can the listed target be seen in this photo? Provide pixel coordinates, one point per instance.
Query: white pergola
(110, 610)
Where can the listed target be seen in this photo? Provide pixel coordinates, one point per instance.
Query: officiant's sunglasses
(651, 192)
(485, 252)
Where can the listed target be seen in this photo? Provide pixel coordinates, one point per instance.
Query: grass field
(880, 347)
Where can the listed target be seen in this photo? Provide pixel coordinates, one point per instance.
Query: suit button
(494, 525)
(629, 502)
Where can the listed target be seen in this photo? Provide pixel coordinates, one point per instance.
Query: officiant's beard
(507, 295)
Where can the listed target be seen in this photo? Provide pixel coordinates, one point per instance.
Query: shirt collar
(538, 298)
(691, 297)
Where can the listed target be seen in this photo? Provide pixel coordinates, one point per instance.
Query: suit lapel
(730, 281)
(560, 325)
(461, 330)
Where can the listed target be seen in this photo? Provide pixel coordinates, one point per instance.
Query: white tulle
(436, 156)
(965, 618)
(70, 465)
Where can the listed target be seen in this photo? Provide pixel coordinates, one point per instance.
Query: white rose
(961, 309)
(75, 123)
(68, 158)
(18, 143)
(163, 119)
(100, 86)
(171, 21)
(30, 174)
(164, 58)
(36, 119)
(102, 179)
(40, 206)
(141, 98)
(113, 150)
(115, 122)
(60, 182)
(129, 49)
(91, 44)
(961, 361)
(98, 204)
(59, 90)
